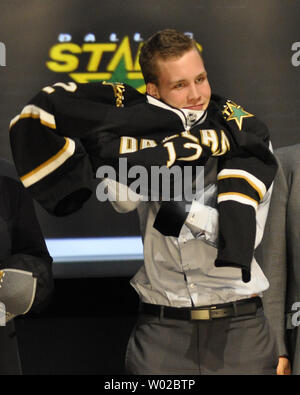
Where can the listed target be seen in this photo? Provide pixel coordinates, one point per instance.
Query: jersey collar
(189, 118)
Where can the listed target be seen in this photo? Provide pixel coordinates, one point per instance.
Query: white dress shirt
(180, 271)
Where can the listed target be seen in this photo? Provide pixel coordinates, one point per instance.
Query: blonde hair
(165, 44)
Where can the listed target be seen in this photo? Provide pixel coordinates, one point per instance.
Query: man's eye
(178, 86)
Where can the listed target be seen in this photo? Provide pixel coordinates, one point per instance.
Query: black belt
(231, 309)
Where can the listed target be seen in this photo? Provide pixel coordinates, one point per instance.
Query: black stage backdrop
(251, 50)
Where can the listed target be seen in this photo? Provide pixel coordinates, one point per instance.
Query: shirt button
(192, 285)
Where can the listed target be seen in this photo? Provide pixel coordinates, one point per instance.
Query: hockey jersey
(67, 131)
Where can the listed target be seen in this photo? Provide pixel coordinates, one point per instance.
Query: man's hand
(284, 367)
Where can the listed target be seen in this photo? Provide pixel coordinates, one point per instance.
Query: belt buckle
(200, 314)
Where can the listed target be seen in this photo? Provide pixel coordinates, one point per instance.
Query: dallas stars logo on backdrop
(92, 62)
(234, 112)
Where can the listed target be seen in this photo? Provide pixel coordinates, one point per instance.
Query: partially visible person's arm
(28, 248)
(274, 266)
(284, 367)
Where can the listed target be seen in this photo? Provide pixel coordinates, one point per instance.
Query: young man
(177, 76)
(228, 332)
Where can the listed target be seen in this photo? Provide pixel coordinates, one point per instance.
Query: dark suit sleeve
(274, 262)
(291, 165)
(28, 248)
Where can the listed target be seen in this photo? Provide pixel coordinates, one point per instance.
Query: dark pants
(238, 345)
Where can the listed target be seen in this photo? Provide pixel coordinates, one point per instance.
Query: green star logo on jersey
(234, 112)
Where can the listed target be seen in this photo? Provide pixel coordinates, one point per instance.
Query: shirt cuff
(203, 221)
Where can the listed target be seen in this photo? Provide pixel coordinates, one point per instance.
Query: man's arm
(203, 220)
(122, 198)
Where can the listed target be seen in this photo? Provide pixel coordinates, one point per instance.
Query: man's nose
(193, 94)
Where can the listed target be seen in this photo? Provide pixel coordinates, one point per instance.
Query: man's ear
(152, 90)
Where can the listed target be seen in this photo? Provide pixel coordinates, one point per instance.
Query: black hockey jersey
(68, 130)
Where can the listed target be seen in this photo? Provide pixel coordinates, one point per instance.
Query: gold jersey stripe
(255, 183)
(238, 197)
(50, 165)
(2, 274)
(32, 111)
(247, 179)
